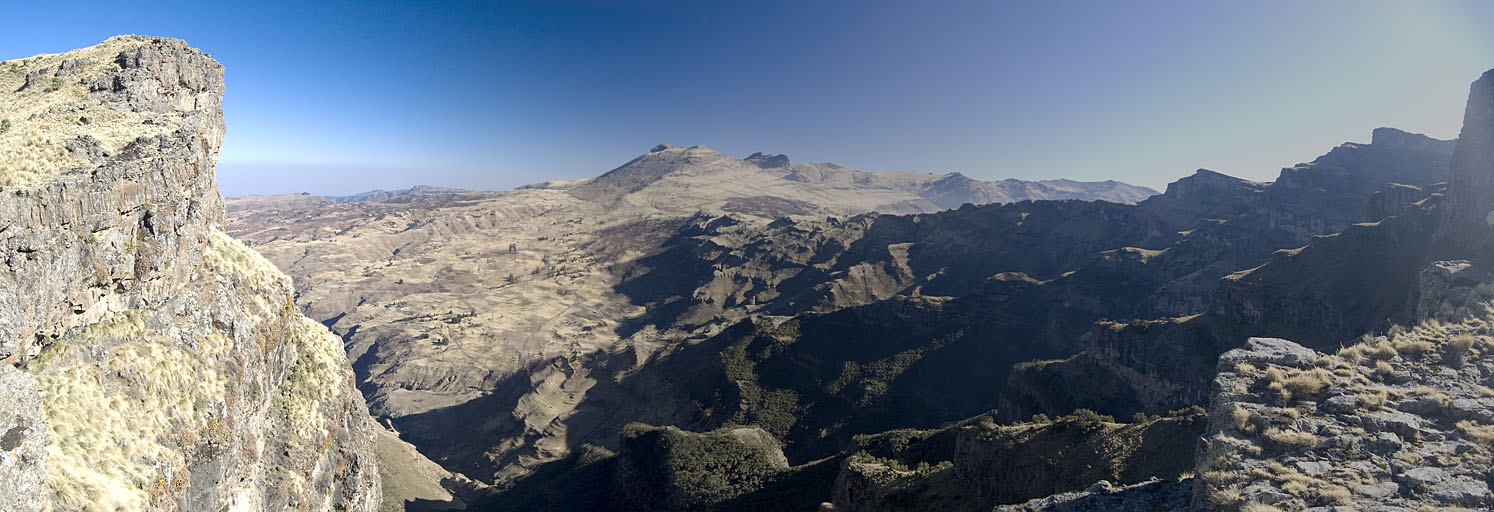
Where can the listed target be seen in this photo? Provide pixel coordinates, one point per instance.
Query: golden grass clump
(1379, 349)
(1290, 439)
(1373, 400)
(1383, 370)
(1298, 384)
(1336, 495)
(1412, 347)
(1283, 414)
(1483, 434)
(1242, 417)
(1458, 348)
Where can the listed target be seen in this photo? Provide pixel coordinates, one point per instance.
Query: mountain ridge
(666, 168)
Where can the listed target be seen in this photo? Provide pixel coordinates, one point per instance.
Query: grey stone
(1407, 426)
(1461, 490)
(1465, 231)
(1314, 467)
(87, 148)
(23, 442)
(1426, 406)
(1422, 477)
(1387, 442)
(70, 66)
(1380, 490)
(61, 266)
(1272, 351)
(1341, 404)
(1477, 409)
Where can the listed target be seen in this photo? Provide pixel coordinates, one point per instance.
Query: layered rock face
(161, 363)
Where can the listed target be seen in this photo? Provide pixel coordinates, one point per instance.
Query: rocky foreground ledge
(151, 362)
(1393, 422)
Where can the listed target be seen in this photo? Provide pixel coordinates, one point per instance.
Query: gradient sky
(341, 97)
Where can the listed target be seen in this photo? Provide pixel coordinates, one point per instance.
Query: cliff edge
(151, 361)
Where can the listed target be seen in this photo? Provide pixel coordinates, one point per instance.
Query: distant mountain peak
(1204, 184)
(663, 160)
(1208, 174)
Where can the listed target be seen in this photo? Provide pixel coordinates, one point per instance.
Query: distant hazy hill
(302, 200)
(387, 194)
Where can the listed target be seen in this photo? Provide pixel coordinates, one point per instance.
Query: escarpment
(162, 364)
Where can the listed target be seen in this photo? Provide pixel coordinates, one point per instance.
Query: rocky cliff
(161, 363)
(1393, 415)
(1467, 230)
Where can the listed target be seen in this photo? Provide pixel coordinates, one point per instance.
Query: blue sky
(340, 97)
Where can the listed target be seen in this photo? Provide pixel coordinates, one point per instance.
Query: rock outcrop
(162, 363)
(1467, 230)
(1405, 420)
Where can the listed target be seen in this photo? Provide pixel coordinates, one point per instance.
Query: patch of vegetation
(124, 407)
(4, 125)
(1297, 384)
(665, 468)
(1483, 434)
(1013, 463)
(914, 447)
(1457, 349)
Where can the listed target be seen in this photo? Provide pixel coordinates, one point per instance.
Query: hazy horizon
(495, 96)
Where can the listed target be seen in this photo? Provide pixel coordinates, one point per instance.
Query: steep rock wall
(1467, 230)
(161, 363)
